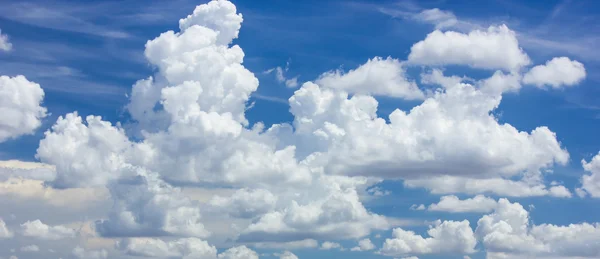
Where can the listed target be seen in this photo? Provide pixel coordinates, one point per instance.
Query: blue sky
(86, 57)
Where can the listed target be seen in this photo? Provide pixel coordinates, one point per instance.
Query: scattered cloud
(556, 73)
(5, 45)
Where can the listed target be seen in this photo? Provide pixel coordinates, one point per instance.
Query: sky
(299, 129)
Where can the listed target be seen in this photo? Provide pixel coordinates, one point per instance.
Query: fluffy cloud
(430, 140)
(556, 73)
(181, 248)
(496, 48)
(364, 245)
(508, 230)
(5, 45)
(4, 231)
(591, 182)
(20, 107)
(384, 77)
(40, 230)
(448, 237)
(287, 255)
(453, 204)
(239, 252)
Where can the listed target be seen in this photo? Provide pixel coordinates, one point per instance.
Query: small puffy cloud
(30, 248)
(287, 255)
(5, 45)
(364, 245)
(590, 183)
(556, 73)
(4, 231)
(448, 237)
(453, 204)
(180, 248)
(82, 253)
(239, 252)
(495, 48)
(383, 77)
(21, 109)
(330, 245)
(40, 230)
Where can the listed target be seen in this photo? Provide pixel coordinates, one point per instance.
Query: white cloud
(448, 237)
(498, 186)
(417, 207)
(364, 245)
(239, 252)
(591, 182)
(30, 248)
(82, 253)
(180, 248)
(5, 45)
(281, 78)
(440, 18)
(453, 204)
(20, 107)
(383, 77)
(496, 48)
(246, 203)
(40, 230)
(27, 170)
(556, 73)
(4, 231)
(288, 255)
(508, 230)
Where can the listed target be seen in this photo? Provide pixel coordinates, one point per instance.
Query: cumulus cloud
(556, 73)
(508, 230)
(364, 245)
(239, 252)
(379, 76)
(180, 248)
(494, 48)
(5, 45)
(591, 182)
(21, 109)
(40, 230)
(448, 237)
(287, 255)
(453, 204)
